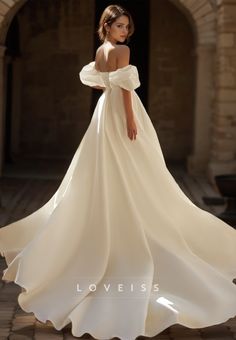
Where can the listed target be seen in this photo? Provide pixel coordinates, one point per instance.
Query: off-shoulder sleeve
(90, 76)
(126, 77)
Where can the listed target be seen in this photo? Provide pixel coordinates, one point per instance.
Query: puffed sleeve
(90, 76)
(126, 77)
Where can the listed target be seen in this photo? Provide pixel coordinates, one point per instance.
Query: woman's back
(109, 57)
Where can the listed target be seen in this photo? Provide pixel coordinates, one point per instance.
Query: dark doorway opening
(139, 42)
(12, 52)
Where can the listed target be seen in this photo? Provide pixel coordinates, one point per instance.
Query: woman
(120, 250)
(110, 56)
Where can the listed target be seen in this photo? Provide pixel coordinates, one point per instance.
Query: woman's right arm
(122, 61)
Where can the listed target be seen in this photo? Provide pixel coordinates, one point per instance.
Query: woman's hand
(131, 128)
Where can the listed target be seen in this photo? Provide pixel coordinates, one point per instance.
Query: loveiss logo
(117, 287)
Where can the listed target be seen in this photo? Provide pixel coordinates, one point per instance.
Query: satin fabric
(120, 220)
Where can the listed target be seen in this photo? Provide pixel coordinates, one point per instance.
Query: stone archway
(202, 19)
(8, 9)
(172, 80)
(202, 16)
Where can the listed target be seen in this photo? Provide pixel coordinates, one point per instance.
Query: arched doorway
(50, 118)
(172, 79)
(12, 56)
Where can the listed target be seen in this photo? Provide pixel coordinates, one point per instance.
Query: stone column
(223, 151)
(197, 161)
(2, 106)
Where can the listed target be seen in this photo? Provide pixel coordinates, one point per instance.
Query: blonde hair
(109, 15)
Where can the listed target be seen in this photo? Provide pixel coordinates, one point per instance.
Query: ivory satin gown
(118, 228)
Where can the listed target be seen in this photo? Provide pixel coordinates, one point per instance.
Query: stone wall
(56, 40)
(223, 154)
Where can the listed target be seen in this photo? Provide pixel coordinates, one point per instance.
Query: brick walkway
(20, 197)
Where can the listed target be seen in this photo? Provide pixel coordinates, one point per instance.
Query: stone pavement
(19, 198)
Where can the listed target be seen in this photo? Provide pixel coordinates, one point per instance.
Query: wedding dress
(119, 250)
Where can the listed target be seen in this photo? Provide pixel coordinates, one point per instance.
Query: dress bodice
(126, 77)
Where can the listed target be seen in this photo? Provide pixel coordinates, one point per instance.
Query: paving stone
(231, 322)
(26, 319)
(5, 324)
(184, 331)
(218, 330)
(161, 337)
(182, 337)
(22, 313)
(19, 327)
(21, 337)
(43, 326)
(4, 331)
(218, 337)
(7, 307)
(47, 329)
(69, 337)
(6, 317)
(48, 336)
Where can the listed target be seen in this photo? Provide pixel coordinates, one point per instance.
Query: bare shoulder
(122, 50)
(122, 55)
(98, 49)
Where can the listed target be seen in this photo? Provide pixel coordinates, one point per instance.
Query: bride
(119, 216)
